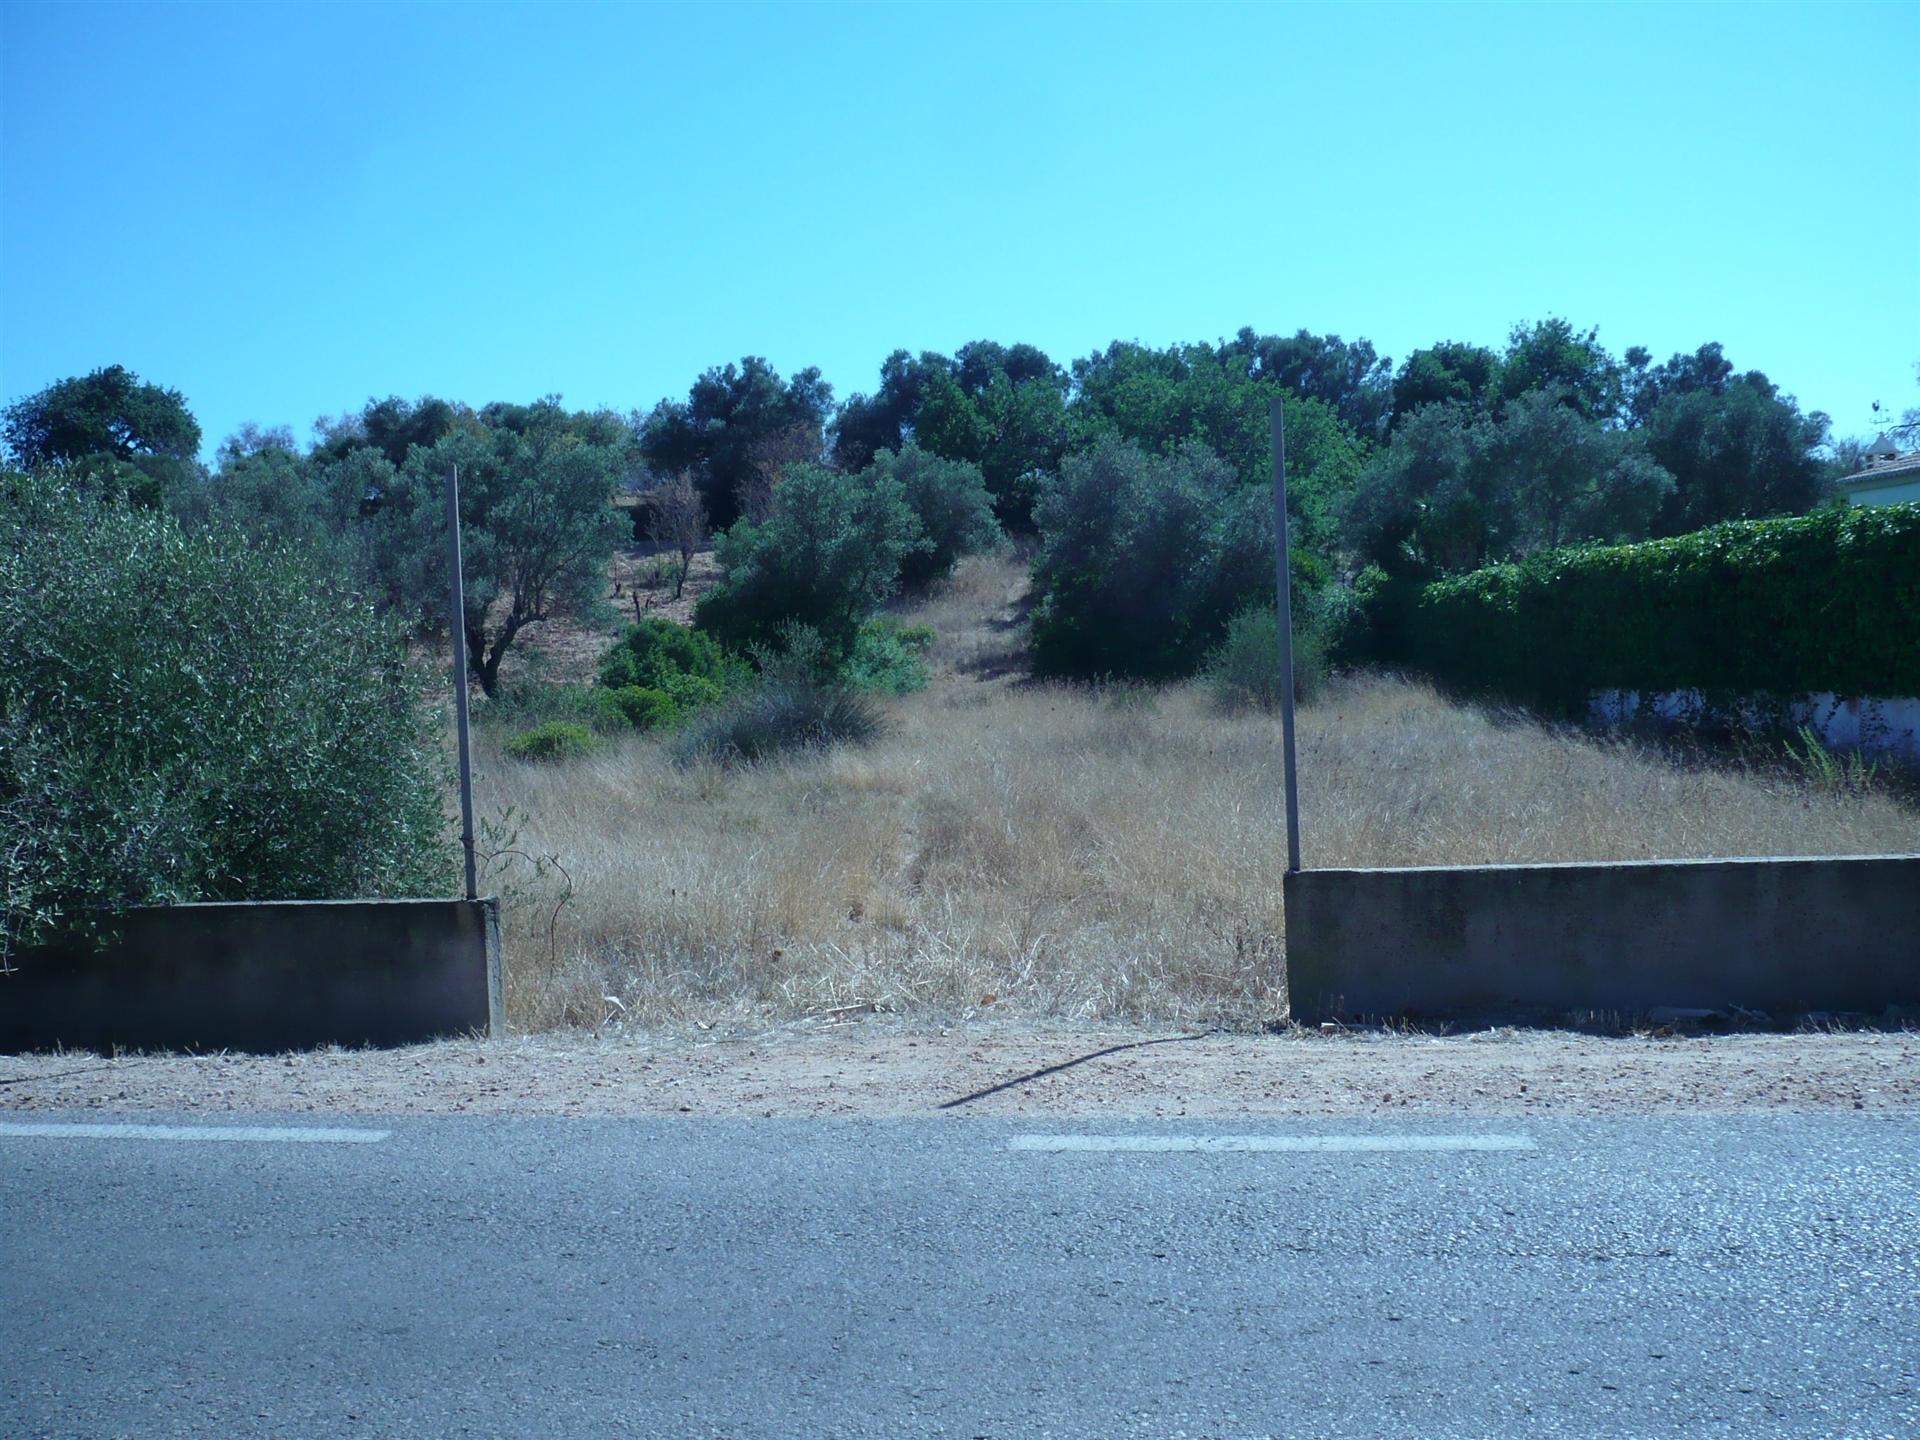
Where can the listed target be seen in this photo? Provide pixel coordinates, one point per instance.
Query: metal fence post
(459, 601)
(1281, 570)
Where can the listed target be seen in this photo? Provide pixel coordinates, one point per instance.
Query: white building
(1887, 479)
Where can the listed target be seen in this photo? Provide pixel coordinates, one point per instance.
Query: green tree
(537, 526)
(1430, 500)
(392, 426)
(730, 412)
(885, 420)
(1737, 448)
(1450, 373)
(262, 486)
(267, 493)
(1456, 489)
(115, 434)
(1572, 478)
(1352, 379)
(108, 412)
(1164, 400)
(1144, 558)
(951, 502)
(1551, 355)
(1000, 407)
(827, 556)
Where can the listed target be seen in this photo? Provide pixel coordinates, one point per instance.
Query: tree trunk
(487, 670)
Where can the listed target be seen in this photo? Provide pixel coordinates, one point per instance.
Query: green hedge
(1828, 601)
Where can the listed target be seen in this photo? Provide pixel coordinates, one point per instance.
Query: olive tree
(188, 715)
(537, 527)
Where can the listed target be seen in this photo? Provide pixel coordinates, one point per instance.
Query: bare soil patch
(875, 1069)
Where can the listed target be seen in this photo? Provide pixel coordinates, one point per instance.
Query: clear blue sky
(283, 210)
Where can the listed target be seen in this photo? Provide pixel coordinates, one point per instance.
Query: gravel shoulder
(873, 1068)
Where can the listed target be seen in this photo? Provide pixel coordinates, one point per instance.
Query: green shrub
(554, 741)
(655, 649)
(1825, 602)
(528, 703)
(190, 717)
(693, 692)
(646, 709)
(827, 557)
(1243, 671)
(772, 719)
(795, 705)
(886, 659)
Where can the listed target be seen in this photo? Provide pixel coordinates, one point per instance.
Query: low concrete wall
(1523, 942)
(263, 977)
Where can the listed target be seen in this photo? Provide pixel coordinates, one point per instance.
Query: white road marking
(1308, 1144)
(256, 1134)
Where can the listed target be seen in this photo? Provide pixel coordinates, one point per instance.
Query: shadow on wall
(1531, 942)
(263, 977)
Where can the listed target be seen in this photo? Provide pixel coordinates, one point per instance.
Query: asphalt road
(701, 1277)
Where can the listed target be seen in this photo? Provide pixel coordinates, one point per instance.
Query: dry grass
(1070, 853)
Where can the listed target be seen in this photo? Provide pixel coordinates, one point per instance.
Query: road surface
(702, 1277)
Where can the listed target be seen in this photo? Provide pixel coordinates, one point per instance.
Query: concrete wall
(1523, 942)
(264, 977)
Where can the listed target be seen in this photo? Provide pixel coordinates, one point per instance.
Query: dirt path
(864, 1069)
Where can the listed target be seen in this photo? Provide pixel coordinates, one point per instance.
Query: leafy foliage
(646, 708)
(952, 504)
(1825, 602)
(661, 672)
(552, 742)
(1736, 447)
(827, 556)
(653, 651)
(1450, 373)
(730, 414)
(187, 716)
(1144, 558)
(1352, 380)
(537, 527)
(110, 412)
(1456, 489)
(1001, 408)
(1551, 355)
(1164, 401)
(887, 659)
(389, 427)
(1243, 672)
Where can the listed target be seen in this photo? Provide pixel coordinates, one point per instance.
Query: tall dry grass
(1066, 851)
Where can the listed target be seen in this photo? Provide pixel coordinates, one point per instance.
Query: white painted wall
(1880, 725)
(1895, 491)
